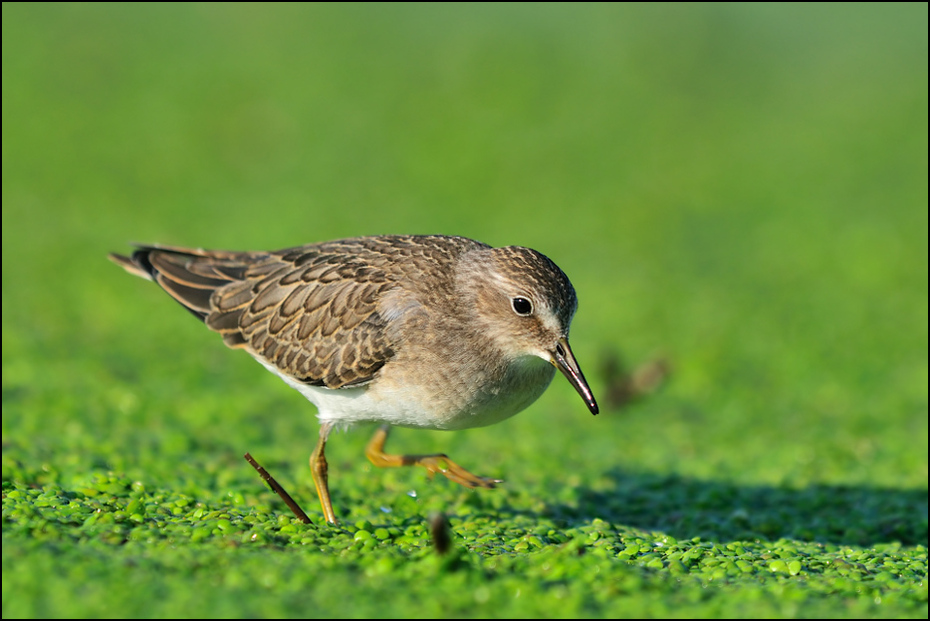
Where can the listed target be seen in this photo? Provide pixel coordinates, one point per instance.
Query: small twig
(292, 505)
(624, 387)
(440, 532)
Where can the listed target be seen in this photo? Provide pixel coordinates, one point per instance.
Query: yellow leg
(320, 471)
(434, 463)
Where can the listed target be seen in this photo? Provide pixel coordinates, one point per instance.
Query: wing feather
(312, 311)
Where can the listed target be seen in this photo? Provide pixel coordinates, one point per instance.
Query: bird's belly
(438, 404)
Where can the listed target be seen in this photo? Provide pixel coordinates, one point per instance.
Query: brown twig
(624, 386)
(440, 532)
(292, 505)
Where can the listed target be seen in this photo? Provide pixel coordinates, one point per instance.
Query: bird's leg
(436, 462)
(320, 471)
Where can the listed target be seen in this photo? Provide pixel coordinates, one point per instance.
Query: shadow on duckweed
(685, 508)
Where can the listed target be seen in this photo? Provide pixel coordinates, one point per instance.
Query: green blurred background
(738, 188)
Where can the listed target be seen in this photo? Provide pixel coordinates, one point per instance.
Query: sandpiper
(431, 331)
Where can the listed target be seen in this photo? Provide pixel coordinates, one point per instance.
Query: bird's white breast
(390, 400)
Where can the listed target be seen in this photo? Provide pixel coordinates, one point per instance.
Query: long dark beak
(564, 360)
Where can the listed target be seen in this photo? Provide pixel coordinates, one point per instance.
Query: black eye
(522, 306)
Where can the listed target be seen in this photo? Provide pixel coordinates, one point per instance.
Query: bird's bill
(564, 360)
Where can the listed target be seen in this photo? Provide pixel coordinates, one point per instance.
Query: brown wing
(309, 311)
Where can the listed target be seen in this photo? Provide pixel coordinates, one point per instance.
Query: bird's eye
(522, 306)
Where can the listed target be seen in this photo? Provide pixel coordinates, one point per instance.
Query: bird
(422, 331)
